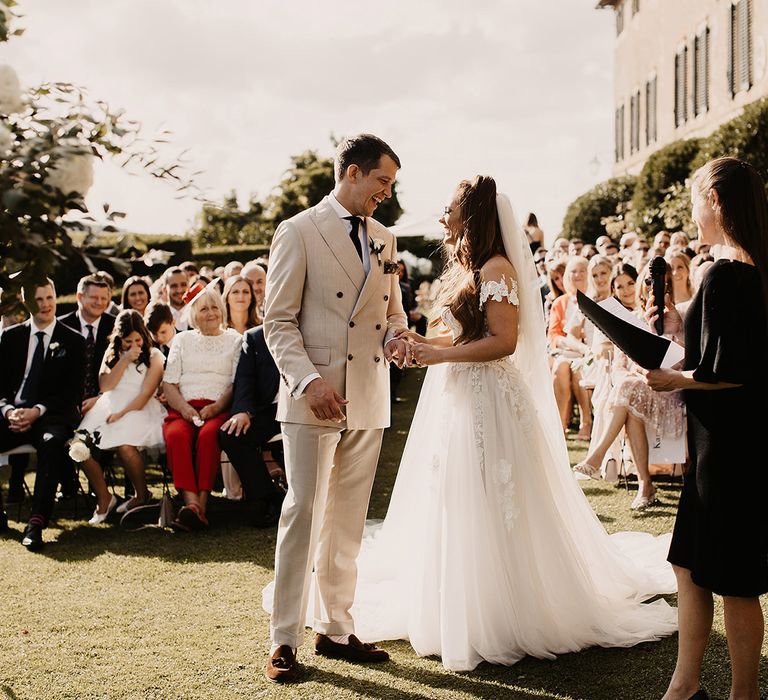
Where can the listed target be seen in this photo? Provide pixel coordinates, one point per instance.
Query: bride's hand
(410, 336)
(423, 354)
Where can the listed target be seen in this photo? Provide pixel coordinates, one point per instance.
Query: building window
(651, 128)
(681, 86)
(619, 18)
(619, 134)
(740, 74)
(634, 123)
(635, 7)
(701, 72)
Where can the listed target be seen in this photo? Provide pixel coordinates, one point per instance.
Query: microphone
(658, 271)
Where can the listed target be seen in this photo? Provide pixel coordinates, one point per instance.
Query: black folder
(643, 347)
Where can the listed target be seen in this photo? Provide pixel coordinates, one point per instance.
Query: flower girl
(127, 415)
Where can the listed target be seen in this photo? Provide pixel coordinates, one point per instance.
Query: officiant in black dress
(720, 540)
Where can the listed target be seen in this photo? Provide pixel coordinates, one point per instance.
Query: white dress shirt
(84, 326)
(33, 330)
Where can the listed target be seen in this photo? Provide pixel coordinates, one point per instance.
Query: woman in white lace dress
(489, 550)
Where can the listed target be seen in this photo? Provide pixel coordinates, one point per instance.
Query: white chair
(20, 450)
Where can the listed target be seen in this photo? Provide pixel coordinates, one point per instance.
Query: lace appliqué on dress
(498, 290)
(502, 475)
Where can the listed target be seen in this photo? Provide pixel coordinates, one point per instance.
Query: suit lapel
(374, 276)
(334, 234)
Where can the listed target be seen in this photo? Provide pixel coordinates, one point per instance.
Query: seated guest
(198, 387)
(191, 271)
(253, 423)
(682, 289)
(257, 274)
(127, 415)
(41, 386)
(175, 285)
(135, 294)
(241, 304)
(232, 268)
(92, 321)
(159, 320)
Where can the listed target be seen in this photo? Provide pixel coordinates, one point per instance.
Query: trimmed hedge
(584, 216)
(668, 166)
(221, 255)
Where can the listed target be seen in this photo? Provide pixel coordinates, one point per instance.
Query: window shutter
(706, 69)
(743, 45)
(732, 49)
(637, 120)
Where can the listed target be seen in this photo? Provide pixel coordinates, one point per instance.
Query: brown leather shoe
(282, 666)
(356, 651)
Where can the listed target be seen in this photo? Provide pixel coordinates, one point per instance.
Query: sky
(517, 89)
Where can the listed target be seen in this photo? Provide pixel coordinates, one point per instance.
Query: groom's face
(368, 190)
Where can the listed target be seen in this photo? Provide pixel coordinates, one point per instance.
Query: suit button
(386, 297)
(339, 294)
(376, 359)
(349, 357)
(378, 326)
(351, 324)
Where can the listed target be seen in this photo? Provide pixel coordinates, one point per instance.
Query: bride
(489, 550)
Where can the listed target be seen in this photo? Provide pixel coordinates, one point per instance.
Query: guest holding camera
(720, 540)
(198, 387)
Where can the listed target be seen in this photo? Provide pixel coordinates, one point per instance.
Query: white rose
(10, 91)
(72, 174)
(6, 140)
(378, 243)
(79, 452)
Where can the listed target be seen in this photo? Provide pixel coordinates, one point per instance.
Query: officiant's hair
(743, 210)
(126, 323)
(364, 151)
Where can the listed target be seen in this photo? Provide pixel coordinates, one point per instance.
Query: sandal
(192, 517)
(587, 469)
(585, 433)
(642, 502)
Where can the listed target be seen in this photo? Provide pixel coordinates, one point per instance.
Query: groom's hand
(324, 401)
(396, 351)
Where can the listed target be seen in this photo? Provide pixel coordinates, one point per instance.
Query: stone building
(682, 68)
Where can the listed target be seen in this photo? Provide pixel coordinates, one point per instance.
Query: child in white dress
(127, 415)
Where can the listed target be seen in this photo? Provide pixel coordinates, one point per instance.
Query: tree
(49, 137)
(585, 216)
(227, 224)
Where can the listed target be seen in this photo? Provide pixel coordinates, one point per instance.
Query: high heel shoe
(642, 502)
(99, 518)
(134, 502)
(587, 469)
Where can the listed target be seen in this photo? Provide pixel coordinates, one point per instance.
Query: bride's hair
(478, 241)
(126, 323)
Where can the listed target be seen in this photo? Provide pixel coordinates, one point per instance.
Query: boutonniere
(391, 267)
(55, 350)
(377, 247)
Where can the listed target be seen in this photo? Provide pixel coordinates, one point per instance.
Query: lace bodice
(203, 365)
(495, 290)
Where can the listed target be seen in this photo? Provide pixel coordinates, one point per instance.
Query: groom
(332, 308)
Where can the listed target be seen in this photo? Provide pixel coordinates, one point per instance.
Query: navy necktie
(32, 384)
(354, 234)
(90, 359)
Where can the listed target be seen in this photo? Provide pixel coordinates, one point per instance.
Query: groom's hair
(364, 151)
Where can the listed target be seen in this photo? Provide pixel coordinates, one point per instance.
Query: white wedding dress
(490, 550)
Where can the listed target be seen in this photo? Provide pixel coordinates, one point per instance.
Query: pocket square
(391, 267)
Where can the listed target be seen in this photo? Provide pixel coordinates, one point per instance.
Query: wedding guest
(159, 320)
(682, 289)
(588, 251)
(699, 266)
(198, 387)
(91, 320)
(257, 274)
(627, 240)
(251, 425)
(241, 304)
(566, 378)
(679, 239)
(555, 272)
(136, 294)
(41, 386)
(662, 242)
(533, 232)
(176, 285)
(640, 249)
(127, 415)
(560, 247)
(601, 243)
(232, 268)
(611, 250)
(575, 246)
(191, 271)
(623, 285)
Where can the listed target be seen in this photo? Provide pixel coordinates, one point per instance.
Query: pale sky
(517, 89)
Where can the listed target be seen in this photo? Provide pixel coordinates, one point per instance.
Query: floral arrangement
(83, 444)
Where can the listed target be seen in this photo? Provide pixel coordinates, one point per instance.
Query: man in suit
(92, 321)
(332, 308)
(251, 424)
(40, 392)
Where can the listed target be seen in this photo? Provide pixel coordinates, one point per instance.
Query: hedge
(584, 216)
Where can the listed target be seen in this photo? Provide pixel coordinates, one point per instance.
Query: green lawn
(105, 614)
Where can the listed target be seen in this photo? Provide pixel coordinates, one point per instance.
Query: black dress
(721, 531)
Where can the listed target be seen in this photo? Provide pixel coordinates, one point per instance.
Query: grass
(104, 614)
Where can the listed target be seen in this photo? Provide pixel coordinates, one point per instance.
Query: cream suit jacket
(324, 315)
